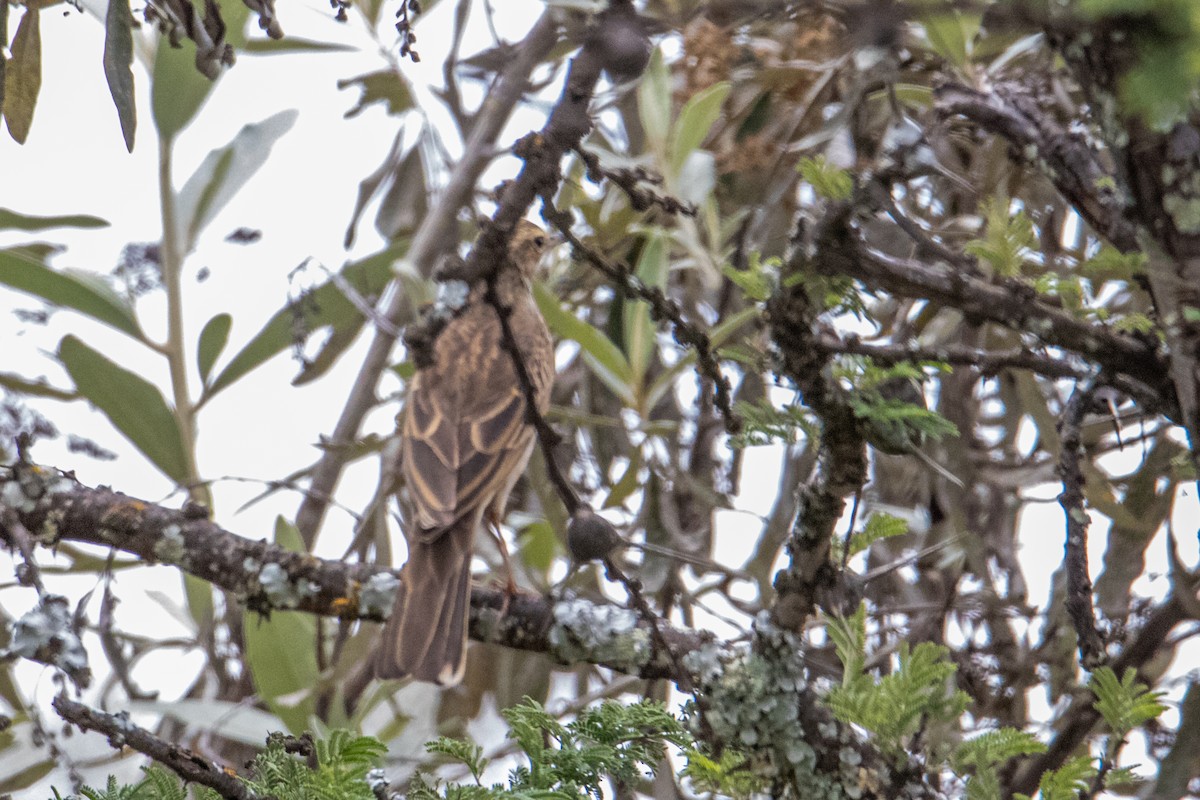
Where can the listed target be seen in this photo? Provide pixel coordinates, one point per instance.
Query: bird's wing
(464, 428)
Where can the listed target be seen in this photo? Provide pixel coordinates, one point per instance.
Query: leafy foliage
(763, 423)
(883, 398)
(1009, 241)
(343, 761)
(894, 706)
(879, 525)
(1126, 703)
(1066, 782)
(830, 182)
(983, 755)
(609, 741)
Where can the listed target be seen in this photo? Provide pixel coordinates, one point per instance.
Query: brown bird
(464, 443)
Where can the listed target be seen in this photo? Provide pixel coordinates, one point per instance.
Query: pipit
(464, 442)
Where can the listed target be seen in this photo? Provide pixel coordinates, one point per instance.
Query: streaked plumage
(465, 442)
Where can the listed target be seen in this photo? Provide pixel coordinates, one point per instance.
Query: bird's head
(529, 243)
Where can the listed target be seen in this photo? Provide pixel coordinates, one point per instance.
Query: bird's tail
(426, 635)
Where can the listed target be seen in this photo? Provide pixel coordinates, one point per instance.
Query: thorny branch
(662, 309)
(1012, 112)
(1079, 584)
(547, 438)
(1008, 303)
(189, 766)
(640, 199)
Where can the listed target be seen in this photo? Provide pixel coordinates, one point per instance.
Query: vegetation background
(878, 343)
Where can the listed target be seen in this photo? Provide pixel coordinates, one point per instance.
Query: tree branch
(183, 762)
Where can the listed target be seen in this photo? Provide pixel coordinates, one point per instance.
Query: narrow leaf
(118, 56)
(281, 650)
(295, 44)
(604, 358)
(178, 88)
(640, 329)
(225, 171)
(134, 405)
(85, 293)
(14, 220)
(654, 102)
(627, 484)
(213, 339)
(23, 76)
(695, 121)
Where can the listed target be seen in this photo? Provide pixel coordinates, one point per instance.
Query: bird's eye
(540, 241)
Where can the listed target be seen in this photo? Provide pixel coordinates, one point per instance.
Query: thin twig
(662, 309)
(547, 438)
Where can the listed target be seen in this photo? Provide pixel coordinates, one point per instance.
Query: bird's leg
(510, 585)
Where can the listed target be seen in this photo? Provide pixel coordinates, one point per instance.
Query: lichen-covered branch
(1079, 584)
(189, 766)
(799, 740)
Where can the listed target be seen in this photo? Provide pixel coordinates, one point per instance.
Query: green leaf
(23, 74)
(640, 329)
(603, 357)
(178, 88)
(695, 121)
(295, 44)
(1009, 241)
(134, 405)
(1069, 780)
(225, 171)
(830, 182)
(27, 776)
(1125, 704)
(213, 339)
(628, 482)
(82, 292)
(331, 309)
(952, 35)
(654, 102)
(386, 86)
(13, 220)
(281, 649)
(993, 748)
(537, 543)
(849, 637)
(879, 526)
(1110, 262)
(118, 56)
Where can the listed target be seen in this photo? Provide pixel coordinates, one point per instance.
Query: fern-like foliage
(830, 182)
(624, 743)
(879, 526)
(763, 423)
(343, 761)
(893, 706)
(1008, 242)
(978, 760)
(889, 401)
(1066, 782)
(1125, 704)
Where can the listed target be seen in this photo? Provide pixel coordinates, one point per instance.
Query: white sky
(75, 162)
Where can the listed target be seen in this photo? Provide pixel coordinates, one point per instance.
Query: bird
(464, 441)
